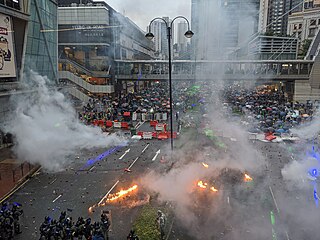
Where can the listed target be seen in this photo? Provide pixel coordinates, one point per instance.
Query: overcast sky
(143, 11)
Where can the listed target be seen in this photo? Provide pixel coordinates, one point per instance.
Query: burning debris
(119, 196)
(202, 185)
(205, 165)
(247, 178)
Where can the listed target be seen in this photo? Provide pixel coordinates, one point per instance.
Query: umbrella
(305, 115)
(280, 130)
(271, 129)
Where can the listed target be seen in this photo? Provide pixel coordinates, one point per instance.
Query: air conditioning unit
(73, 4)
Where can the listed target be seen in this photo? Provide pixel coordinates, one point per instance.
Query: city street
(82, 185)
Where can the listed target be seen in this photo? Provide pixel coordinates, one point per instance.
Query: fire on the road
(202, 184)
(121, 193)
(247, 178)
(113, 197)
(205, 165)
(213, 189)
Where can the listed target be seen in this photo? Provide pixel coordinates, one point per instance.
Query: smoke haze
(46, 127)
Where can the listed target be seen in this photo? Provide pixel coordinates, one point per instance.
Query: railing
(78, 94)
(272, 69)
(76, 65)
(80, 68)
(314, 47)
(87, 86)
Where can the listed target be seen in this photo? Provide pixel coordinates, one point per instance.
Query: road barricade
(125, 125)
(95, 122)
(153, 123)
(162, 135)
(109, 123)
(117, 124)
(101, 123)
(140, 133)
(161, 127)
(147, 135)
(134, 116)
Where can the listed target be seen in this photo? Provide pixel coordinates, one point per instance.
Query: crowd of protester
(269, 109)
(10, 220)
(151, 100)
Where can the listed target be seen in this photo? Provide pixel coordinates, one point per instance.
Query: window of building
(123, 54)
(312, 32)
(313, 22)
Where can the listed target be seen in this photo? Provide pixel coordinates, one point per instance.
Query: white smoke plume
(310, 130)
(46, 127)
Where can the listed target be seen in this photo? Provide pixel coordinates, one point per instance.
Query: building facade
(28, 41)
(92, 35)
(42, 39)
(305, 24)
(221, 26)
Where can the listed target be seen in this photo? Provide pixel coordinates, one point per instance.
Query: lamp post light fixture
(150, 36)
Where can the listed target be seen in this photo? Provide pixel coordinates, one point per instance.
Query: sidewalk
(12, 171)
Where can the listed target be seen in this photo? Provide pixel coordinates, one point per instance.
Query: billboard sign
(7, 61)
(84, 34)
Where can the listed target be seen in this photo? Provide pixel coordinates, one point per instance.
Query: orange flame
(205, 165)
(247, 178)
(213, 189)
(202, 184)
(112, 197)
(121, 193)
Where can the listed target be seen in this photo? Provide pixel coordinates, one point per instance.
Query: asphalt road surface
(83, 184)
(89, 176)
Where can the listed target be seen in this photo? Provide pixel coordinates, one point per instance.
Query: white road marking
(93, 167)
(124, 154)
(228, 199)
(145, 148)
(105, 196)
(133, 163)
(53, 181)
(57, 198)
(140, 124)
(274, 200)
(155, 156)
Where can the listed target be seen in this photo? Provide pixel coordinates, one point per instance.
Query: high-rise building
(222, 25)
(156, 29)
(159, 30)
(182, 41)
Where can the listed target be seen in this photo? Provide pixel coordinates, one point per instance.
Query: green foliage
(305, 47)
(145, 224)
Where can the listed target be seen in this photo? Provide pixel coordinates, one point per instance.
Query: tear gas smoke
(46, 127)
(309, 130)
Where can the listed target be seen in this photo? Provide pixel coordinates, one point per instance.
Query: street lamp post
(150, 36)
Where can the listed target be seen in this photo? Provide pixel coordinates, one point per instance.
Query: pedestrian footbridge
(278, 70)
